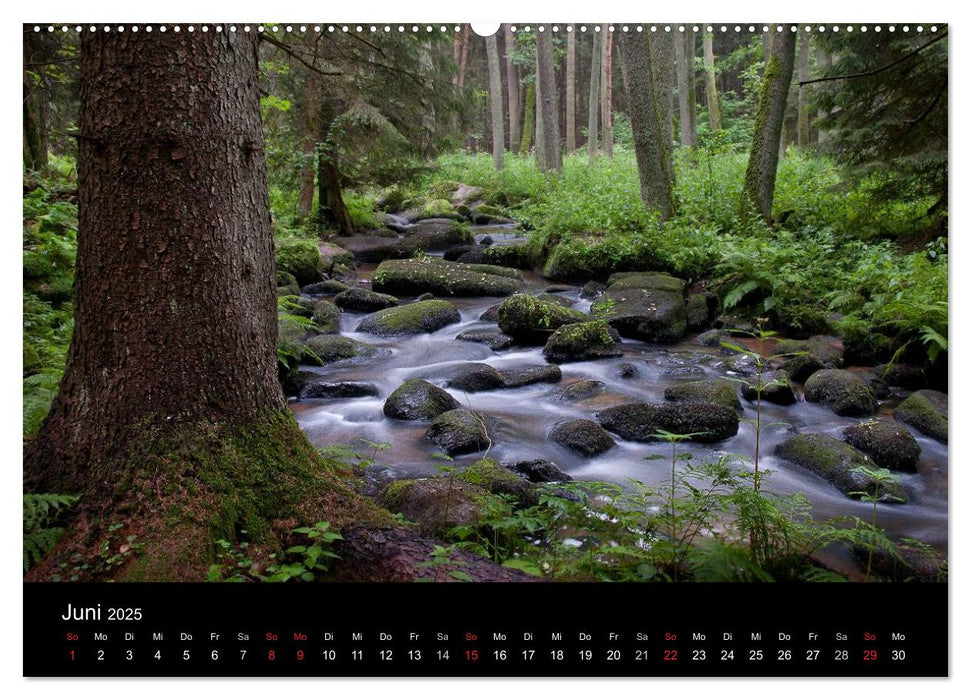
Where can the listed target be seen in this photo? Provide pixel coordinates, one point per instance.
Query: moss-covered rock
(904, 376)
(435, 209)
(326, 317)
(862, 346)
(447, 279)
(890, 446)
(717, 391)
(494, 340)
(490, 315)
(437, 505)
(286, 281)
(301, 258)
(411, 319)
(625, 370)
(364, 300)
(843, 392)
(325, 349)
(296, 306)
(582, 436)
(580, 258)
(583, 389)
(531, 320)
(578, 342)
(926, 410)
(375, 249)
(324, 287)
(836, 462)
(535, 374)
(810, 356)
(438, 235)
(476, 376)
(645, 306)
(540, 471)
(776, 388)
(416, 399)
(640, 422)
(321, 389)
(555, 299)
(496, 478)
(696, 312)
(522, 256)
(334, 259)
(459, 431)
(453, 254)
(645, 280)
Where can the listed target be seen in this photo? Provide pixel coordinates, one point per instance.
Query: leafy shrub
(43, 524)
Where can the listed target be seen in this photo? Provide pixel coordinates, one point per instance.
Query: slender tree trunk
(686, 97)
(662, 62)
(711, 90)
(495, 101)
(464, 55)
(763, 159)
(170, 419)
(36, 101)
(308, 130)
(426, 63)
(528, 118)
(546, 96)
(592, 106)
(606, 90)
(456, 55)
(824, 61)
(652, 164)
(766, 49)
(512, 87)
(571, 89)
(802, 132)
(540, 124)
(332, 212)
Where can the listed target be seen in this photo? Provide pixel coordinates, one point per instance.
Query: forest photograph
(404, 303)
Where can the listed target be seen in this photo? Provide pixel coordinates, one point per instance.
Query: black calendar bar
(345, 630)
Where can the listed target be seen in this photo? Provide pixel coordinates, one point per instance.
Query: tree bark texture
(652, 165)
(308, 129)
(686, 96)
(764, 157)
(593, 110)
(546, 79)
(711, 89)
(528, 118)
(464, 54)
(512, 87)
(662, 62)
(606, 90)
(540, 142)
(332, 211)
(495, 101)
(802, 128)
(824, 61)
(571, 89)
(175, 309)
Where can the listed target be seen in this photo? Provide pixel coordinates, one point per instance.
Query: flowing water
(526, 414)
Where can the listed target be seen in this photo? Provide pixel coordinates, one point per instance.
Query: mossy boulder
(301, 258)
(417, 399)
(453, 254)
(494, 340)
(582, 436)
(904, 376)
(438, 235)
(496, 478)
(583, 389)
(776, 388)
(522, 256)
(459, 431)
(540, 471)
(326, 317)
(696, 312)
(890, 446)
(296, 306)
(334, 259)
(926, 410)
(555, 299)
(836, 462)
(446, 279)
(862, 346)
(579, 342)
(645, 306)
(326, 349)
(476, 376)
(324, 287)
(809, 356)
(532, 320)
(436, 504)
(842, 391)
(321, 389)
(375, 249)
(717, 391)
(286, 284)
(535, 374)
(364, 300)
(640, 422)
(580, 258)
(436, 209)
(411, 319)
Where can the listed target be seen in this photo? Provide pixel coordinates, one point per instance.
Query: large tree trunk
(686, 96)
(571, 89)
(662, 62)
(764, 157)
(711, 90)
(528, 118)
(802, 129)
(495, 101)
(546, 96)
(652, 164)
(606, 89)
(332, 213)
(593, 109)
(824, 61)
(170, 419)
(308, 128)
(512, 87)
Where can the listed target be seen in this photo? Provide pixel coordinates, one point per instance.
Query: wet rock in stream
(578, 342)
(582, 436)
(357, 299)
(890, 446)
(494, 340)
(410, 319)
(640, 422)
(459, 432)
(841, 391)
(417, 399)
(446, 279)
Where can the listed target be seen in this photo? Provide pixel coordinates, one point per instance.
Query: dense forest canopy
(776, 195)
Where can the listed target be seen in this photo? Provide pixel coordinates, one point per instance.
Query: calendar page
(612, 349)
